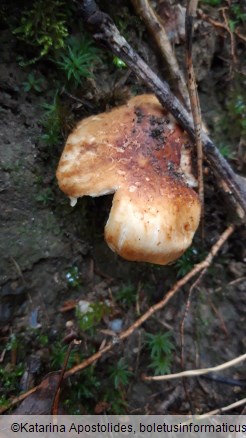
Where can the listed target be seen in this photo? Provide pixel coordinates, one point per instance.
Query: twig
(194, 99)
(18, 399)
(105, 32)
(187, 308)
(232, 38)
(84, 103)
(219, 316)
(170, 399)
(125, 334)
(55, 404)
(238, 280)
(2, 355)
(236, 70)
(223, 409)
(205, 264)
(159, 34)
(220, 25)
(194, 373)
(182, 325)
(18, 269)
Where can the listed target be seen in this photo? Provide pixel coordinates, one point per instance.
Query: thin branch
(223, 409)
(182, 326)
(194, 99)
(55, 404)
(219, 316)
(106, 33)
(159, 34)
(19, 399)
(232, 37)
(201, 372)
(220, 25)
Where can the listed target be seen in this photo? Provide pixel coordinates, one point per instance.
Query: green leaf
(120, 374)
(212, 2)
(232, 24)
(159, 343)
(160, 365)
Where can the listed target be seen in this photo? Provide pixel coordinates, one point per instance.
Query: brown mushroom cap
(139, 152)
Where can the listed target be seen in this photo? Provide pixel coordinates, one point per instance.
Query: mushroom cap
(140, 152)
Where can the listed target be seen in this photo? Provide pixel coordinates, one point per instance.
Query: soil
(44, 242)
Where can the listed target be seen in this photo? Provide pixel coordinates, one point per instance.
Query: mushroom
(141, 154)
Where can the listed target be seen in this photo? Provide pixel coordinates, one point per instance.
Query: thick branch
(194, 98)
(105, 32)
(159, 34)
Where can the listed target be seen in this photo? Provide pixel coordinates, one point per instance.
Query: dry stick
(159, 34)
(219, 316)
(55, 404)
(201, 372)
(194, 99)
(187, 308)
(220, 25)
(223, 409)
(125, 334)
(105, 32)
(18, 399)
(232, 37)
(182, 352)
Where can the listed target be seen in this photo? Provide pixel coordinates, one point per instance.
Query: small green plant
(77, 59)
(238, 16)
(45, 197)
(84, 393)
(161, 347)
(3, 401)
(126, 22)
(212, 2)
(126, 295)
(187, 261)
(120, 374)
(231, 127)
(225, 150)
(10, 377)
(236, 106)
(52, 121)
(12, 343)
(44, 26)
(115, 398)
(91, 316)
(90, 384)
(43, 340)
(33, 83)
(58, 355)
(236, 12)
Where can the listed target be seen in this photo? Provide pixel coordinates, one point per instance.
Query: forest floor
(54, 259)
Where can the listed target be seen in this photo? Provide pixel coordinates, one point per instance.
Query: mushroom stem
(105, 32)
